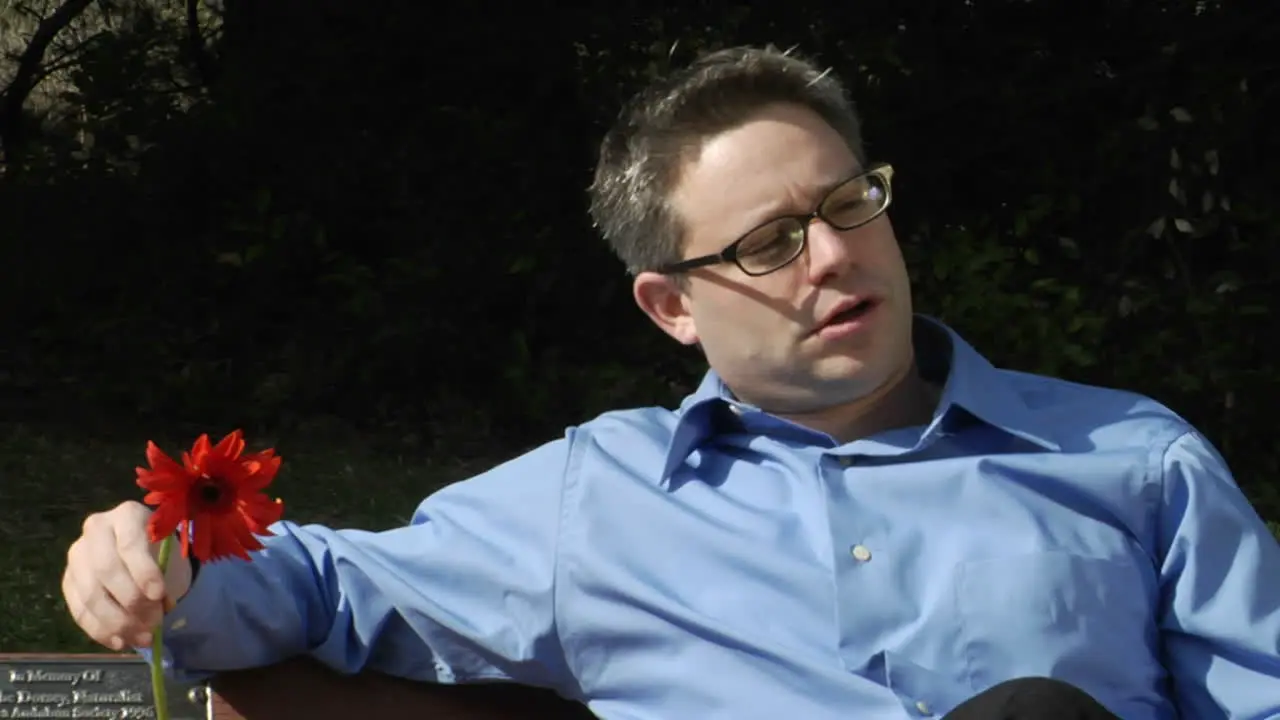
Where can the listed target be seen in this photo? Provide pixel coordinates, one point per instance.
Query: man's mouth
(849, 318)
(852, 313)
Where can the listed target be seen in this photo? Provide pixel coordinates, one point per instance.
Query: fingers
(101, 624)
(127, 602)
(95, 611)
(108, 579)
(134, 552)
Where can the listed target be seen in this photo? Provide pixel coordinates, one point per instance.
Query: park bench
(305, 690)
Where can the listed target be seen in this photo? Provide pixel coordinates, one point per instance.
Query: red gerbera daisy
(214, 497)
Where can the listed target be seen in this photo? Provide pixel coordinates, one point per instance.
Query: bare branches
(197, 51)
(29, 73)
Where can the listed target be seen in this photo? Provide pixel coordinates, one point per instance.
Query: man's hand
(113, 585)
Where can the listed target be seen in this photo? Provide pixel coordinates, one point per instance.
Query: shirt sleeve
(1220, 574)
(464, 592)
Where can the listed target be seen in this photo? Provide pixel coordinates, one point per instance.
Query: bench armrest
(304, 689)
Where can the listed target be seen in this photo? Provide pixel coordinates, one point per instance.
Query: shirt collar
(701, 416)
(971, 385)
(974, 385)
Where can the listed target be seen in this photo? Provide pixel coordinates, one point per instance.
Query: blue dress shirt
(718, 562)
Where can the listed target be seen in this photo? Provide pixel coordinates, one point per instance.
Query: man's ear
(662, 298)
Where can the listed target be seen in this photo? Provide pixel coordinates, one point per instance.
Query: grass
(49, 482)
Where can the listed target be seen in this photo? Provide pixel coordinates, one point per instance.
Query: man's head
(720, 153)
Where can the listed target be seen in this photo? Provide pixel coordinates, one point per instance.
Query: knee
(1040, 688)
(1041, 698)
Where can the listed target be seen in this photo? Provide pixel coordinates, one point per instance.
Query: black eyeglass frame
(883, 171)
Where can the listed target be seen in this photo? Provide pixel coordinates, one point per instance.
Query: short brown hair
(643, 153)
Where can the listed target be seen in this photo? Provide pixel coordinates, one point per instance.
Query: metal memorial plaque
(90, 686)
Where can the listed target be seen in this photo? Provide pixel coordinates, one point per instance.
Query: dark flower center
(210, 490)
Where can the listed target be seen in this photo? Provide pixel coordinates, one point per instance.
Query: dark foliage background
(305, 214)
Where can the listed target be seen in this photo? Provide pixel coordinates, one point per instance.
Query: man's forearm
(249, 614)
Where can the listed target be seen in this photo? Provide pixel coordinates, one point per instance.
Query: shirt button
(923, 707)
(860, 553)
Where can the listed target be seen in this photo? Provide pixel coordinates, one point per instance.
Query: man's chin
(842, 380)
(841, 370)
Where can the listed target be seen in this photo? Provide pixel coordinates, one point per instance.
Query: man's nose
(829, 252)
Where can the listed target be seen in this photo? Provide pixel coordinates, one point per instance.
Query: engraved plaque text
(90, 686)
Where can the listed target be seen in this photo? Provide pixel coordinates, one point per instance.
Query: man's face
(768, 337)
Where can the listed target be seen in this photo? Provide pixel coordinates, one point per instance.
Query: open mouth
(853, 313)
(851, 320)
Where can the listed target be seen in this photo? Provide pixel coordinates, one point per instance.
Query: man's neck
(906, 400)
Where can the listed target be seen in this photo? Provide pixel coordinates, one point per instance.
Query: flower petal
(244, 539)
(258, 513)
(230, 446)
(262, 468)
(184, 530)
(158, 498)
(162, 481)
(199, 452)
(227, 539)
(164, 521)
(160, 462)
(202, 540)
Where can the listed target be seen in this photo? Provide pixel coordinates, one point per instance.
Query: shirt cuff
(198, 603)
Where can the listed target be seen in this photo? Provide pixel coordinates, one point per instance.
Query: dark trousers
(1031, 699)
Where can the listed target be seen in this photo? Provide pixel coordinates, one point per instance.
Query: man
(855, 515)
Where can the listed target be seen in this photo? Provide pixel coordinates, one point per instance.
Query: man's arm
(1220, 583)
(464, 592)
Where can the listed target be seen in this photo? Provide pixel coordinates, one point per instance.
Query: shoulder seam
(1160, 453)
(569, 480)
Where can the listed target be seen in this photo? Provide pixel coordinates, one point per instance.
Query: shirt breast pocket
(1085, 620)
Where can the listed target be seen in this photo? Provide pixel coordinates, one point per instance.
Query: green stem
(157, 642)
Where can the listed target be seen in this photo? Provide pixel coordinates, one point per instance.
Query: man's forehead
(782, 161)
(785, 192)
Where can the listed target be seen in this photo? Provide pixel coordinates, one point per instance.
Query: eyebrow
(776, 210)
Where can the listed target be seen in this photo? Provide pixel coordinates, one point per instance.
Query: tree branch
(67, 59)
(24, 80)
(196, 48)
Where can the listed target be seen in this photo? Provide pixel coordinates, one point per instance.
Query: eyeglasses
(773, 245)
